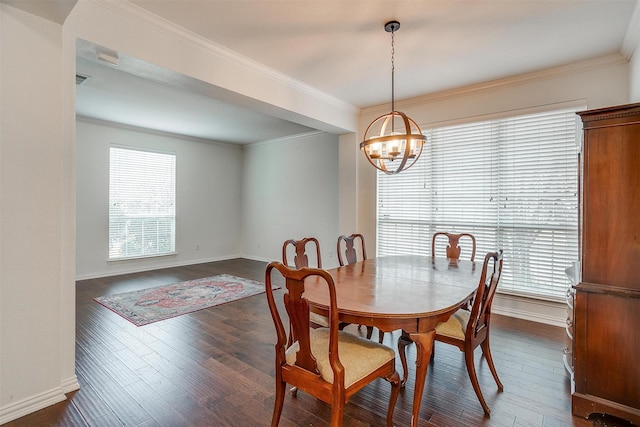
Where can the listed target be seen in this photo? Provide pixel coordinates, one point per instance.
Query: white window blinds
(141, 203)
(512, 182)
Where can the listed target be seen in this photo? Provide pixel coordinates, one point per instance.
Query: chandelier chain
(393, 70)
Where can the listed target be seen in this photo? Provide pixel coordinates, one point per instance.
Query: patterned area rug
(163, 302)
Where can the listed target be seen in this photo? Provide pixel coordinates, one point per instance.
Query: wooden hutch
(606, 316)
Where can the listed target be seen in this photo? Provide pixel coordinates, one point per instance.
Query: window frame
(139, 208)
(413, 236)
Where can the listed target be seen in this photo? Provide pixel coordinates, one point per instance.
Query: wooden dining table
(408, 292)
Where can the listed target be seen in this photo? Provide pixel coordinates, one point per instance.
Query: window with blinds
(141, 203)
(511, 182)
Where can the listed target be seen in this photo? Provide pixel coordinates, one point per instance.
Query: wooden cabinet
(607, 300)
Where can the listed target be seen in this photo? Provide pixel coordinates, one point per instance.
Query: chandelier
(393, 142)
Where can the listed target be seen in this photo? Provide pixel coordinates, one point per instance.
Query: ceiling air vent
(80, 79)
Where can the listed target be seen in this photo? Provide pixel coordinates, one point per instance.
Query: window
(511, 182)
(142, 214)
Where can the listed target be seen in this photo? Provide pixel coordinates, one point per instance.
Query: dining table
(408, 292)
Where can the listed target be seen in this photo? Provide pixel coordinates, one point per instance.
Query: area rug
(150, 305)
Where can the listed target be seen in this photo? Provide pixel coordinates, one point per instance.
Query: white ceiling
(340, 48)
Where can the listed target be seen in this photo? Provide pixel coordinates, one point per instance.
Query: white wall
(208, 177)
(348, 175)
(36, 295)
(290, 191)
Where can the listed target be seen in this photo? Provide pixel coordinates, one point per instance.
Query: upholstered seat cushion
(358, 355)
(456, 326)
(319, 319)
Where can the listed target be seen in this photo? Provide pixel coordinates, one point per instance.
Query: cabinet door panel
(611, 239)
(613, 348)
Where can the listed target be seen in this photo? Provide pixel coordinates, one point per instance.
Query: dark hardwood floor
(214, 367)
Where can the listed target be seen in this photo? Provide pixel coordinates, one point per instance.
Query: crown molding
(574, 68)
(144, 17)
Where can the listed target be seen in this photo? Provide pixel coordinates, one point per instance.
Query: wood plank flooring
(214, 367)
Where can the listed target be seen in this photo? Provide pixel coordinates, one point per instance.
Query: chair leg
(337, 412)
(277, 405)
(369, 332)
(471, 370)
(394, 379)
(486, 350)
(403, 342)
(380, 336)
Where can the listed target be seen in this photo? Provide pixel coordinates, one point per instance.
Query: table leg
(424, 345)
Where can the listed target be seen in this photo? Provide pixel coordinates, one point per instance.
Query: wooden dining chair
(300, 257)
(327, 363)
(468, 329)
(347, 250)
(453, 248)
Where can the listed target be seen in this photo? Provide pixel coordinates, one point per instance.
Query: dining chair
(468, 329)
(453, 248)
(327, 363)
(300, 258)
(347, 251)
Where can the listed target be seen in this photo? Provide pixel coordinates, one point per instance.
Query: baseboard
(24, 407)
(535, 310)
(70, 384)
(140, 269)
(257, 258)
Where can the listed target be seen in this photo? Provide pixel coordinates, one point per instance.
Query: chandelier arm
(407, 142)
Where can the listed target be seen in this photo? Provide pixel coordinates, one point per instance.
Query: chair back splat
(327, 363)
(300, 258)
(453, 248)
(347, 246)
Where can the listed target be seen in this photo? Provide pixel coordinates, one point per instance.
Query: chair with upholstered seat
(453, 248)
(347, 251)
(468, 329)
(327, 363)
(298, 248)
